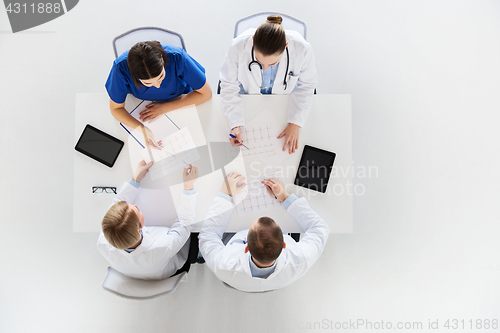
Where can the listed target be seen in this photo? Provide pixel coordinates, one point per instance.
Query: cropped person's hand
(141, 171)
(152, 111)
(150, 139)
(231, 181)
(292, 137)
(277, 187)
(237, 133)
(189, 176)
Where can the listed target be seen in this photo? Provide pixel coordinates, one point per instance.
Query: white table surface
(328, 127)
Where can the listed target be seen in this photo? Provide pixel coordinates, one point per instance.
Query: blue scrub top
(182, 75)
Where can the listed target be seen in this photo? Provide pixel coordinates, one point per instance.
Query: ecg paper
(260, 135)
(180, 145)
(258, 198)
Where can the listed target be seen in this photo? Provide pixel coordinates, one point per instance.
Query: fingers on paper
(152, 143)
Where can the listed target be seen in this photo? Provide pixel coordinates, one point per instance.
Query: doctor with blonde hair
(149, 253)
(269, 60)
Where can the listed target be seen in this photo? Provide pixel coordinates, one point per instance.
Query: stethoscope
(255, 62)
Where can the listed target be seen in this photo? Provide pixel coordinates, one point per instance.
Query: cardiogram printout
(178, 151)
(258, 198)
(260, 135)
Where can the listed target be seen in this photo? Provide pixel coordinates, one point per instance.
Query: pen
(272, 191)
(238, 141)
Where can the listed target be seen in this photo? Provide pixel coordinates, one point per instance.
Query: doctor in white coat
(269, 60)
(261, 258)
(149, 253)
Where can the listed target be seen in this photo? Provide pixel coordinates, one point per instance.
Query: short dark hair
(146, 60)
(270, 37)
(266, 241)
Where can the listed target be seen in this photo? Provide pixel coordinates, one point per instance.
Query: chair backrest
(128, 39)
(253, 21)
(127, 287)
(250, 292)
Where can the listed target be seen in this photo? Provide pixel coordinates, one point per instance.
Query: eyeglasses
(103, 189)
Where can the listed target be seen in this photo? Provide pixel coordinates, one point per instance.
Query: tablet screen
(99, 145)
(314, 168)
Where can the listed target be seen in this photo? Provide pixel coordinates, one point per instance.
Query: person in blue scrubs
(162, 73)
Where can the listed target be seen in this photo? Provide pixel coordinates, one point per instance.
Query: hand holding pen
(276, 189)
(189, 176)
(236, 137)
(235, 140)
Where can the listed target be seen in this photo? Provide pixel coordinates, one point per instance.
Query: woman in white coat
(269, 60)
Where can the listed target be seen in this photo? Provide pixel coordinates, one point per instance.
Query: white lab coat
(235, 78)
(162, 250)
(231, 264)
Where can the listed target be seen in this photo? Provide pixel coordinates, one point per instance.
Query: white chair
(249, 292)
(253, 21)
(127, 287)
(128, 39)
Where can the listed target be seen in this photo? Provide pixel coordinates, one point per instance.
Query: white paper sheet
(178, 151)
(258, 199)
(260, 135)
(161, 127)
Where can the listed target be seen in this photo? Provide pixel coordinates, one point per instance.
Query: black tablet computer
(314, 169)
(98, 145)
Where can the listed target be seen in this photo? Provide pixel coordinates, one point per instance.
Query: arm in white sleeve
(301, 98)
(127, 193)
(180, 231)
(232, 104)
(316, 230)
(212, 229)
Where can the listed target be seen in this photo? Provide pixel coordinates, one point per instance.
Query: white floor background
(425, 82)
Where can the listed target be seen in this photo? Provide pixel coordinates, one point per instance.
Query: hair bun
(274, 19)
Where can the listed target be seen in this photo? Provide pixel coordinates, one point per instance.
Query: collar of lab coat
(245, 262)
(239, 242)
(278, 87)
(146, 243)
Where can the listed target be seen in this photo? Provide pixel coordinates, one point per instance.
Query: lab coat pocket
(292, 82)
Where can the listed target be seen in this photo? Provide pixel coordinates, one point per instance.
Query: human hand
(150, 139)
(232, 180)
(237, 133)
(189, 176)
(292, 137)
(276, 188)
(141, 171)
(152, 111)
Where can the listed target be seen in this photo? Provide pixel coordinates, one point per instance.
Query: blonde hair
(270, 37)
(120, 226)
